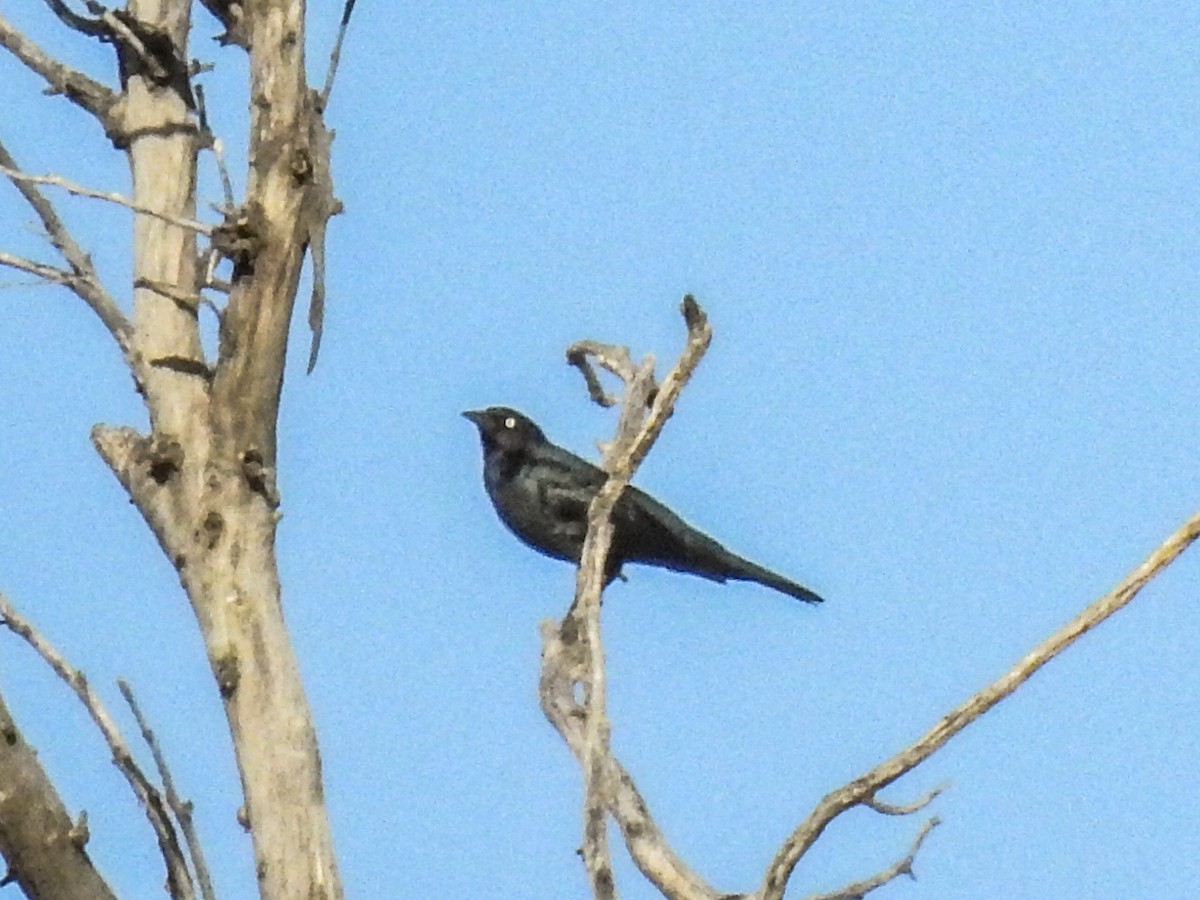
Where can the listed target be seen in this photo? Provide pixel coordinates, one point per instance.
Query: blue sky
(950, 257)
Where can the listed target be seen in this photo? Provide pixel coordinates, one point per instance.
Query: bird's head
(504, 429)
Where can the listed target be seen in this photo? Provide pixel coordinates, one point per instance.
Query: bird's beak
(475, 415)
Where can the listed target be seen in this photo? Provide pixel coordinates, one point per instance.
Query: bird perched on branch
(542, 492)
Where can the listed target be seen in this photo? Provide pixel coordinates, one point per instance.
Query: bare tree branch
(575, 654)
(615, 359)
(45, 850)
(336, 56)
(76, 22)
(120, 26)
(179, 880)
(41, 270)
(645, 841)
(892, 809)
(86, 283)
(864, 787)
(203, 477)
(860, 889)
(214, 143)
(80, 190)
(319, 206)
(81, 90)
(182, 809)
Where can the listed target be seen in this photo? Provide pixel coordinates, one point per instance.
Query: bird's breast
(521, 504)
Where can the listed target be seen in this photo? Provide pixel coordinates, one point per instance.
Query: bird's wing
(649, 532)
(565, 501)
(565, 486)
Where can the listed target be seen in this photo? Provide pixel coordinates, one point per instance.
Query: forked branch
(84, 281)
(572, 658)
(863, 789)
(573, 653)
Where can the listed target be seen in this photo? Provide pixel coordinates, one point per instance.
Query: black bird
(542, 492)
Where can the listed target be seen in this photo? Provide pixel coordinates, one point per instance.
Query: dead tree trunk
(203, 473)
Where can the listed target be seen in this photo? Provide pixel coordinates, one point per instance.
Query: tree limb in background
(85, 282)
(111, 196)
(573, 652)
(179, 880)
(85, 92)
(203, 474)
(44, 848)
(862, 790)
(51, 274)
(182, 809)
(859, 889)
(76, 22)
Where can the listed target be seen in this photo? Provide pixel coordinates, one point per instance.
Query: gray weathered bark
(44, 848)
(203, 474)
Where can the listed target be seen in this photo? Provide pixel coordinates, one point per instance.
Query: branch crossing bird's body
(542, 492)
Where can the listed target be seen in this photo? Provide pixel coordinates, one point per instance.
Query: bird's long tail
(744, 570)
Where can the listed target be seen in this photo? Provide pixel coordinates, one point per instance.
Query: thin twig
(187, 299)
(663, 407)
(215, 144)
(336, 56)
(41, 270)
(181, 808)
(906, 809)
(319, 206)
(860, 889)
(865, 786)
(80, 190)
(218, 150)
(616, 359)
(86, 283)
(179, 880)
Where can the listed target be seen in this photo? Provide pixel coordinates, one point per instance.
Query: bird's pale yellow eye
(510, 422)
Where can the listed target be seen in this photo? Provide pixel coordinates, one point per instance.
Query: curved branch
(863, 789)
(76, 22)
(904, 809)
(643, 838)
